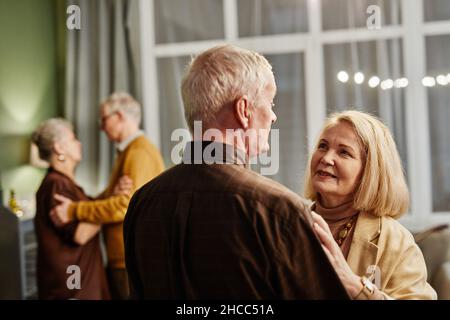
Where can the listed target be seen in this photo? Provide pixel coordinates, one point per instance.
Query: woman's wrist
(355, 286)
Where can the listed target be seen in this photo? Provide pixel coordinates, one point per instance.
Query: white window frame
(412, 31)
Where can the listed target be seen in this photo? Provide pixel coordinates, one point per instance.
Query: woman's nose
(327, 159)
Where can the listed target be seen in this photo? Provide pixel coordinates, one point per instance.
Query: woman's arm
(408, 282)
(85, 231)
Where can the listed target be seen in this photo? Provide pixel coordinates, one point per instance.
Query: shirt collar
(210, 152)
(121, 146)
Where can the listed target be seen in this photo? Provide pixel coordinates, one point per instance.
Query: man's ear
(242, 111)
(120, 114)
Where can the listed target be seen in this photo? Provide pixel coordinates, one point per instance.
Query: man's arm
(303, 269)
(141, 166)
(109, 210)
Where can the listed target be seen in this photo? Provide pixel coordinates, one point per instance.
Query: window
(369, 76)
(188, 20)
(268, 17)
(309, 43)
(170, 71)
(438, 68)
(435, 10)
(290, 109)
(348, 14)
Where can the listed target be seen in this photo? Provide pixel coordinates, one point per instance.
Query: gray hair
(49, 132)
(122, 101)
(219, 76)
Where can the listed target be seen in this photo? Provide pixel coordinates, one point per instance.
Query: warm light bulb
(404, 82)
(442, 80)
(342, 76)
(387, 84)
(359, 77)
(374, 82)
(428, 81)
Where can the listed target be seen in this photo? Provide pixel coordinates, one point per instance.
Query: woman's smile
(325, 175)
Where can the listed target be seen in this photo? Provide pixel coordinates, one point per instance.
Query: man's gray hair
(49, 132)
(122, 101)
(220, 76)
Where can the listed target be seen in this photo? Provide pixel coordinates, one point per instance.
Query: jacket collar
(121, 146)
(364, 250)
(210, 152)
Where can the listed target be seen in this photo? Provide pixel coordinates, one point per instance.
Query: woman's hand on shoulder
(350, 280)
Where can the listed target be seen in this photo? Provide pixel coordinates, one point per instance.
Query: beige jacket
(383, 247)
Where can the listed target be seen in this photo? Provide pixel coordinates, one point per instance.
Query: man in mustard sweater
(138, 159)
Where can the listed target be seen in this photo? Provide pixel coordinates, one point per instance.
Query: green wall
(28, 86)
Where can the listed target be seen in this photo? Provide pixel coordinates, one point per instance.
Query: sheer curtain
(349, 14)
(268, 17)
(203, 20)
(101, 58)
(438, 63)
(171, 112)
(290, 108)
(180, 21)
(381, 58)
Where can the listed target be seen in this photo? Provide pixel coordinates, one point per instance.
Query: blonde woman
(356, 181)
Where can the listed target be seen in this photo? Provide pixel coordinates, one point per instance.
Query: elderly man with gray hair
(210, 228)
(137, 158)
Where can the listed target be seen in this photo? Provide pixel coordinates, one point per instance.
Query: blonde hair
(122, 101)
(49, 132)
(219, 76)
(382, 190)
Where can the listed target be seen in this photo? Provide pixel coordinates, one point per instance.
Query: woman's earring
(61, 157)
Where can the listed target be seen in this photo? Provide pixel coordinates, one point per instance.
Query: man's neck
(128, 132)
(230, 139)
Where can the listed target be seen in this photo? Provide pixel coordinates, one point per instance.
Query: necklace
(345, 230)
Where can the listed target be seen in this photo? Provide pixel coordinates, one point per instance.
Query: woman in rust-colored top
(69, 262)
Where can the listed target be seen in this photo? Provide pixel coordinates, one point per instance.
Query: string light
(428, 81)
(442, 80)
(374, 82)
(404, 82)
(359, 77)
(342, 76)
(387, 84)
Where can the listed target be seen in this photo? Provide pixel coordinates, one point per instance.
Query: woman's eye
(322, 146)
(345, 153)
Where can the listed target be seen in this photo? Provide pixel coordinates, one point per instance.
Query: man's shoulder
(142, 147)
(141, 142)
(228, 179)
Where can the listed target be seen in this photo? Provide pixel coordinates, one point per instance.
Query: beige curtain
(101, 58)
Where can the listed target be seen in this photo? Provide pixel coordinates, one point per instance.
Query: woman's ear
(58, 148)
(242, 111)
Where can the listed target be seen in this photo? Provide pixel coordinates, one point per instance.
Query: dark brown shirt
(57, 250)
(221, 231)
